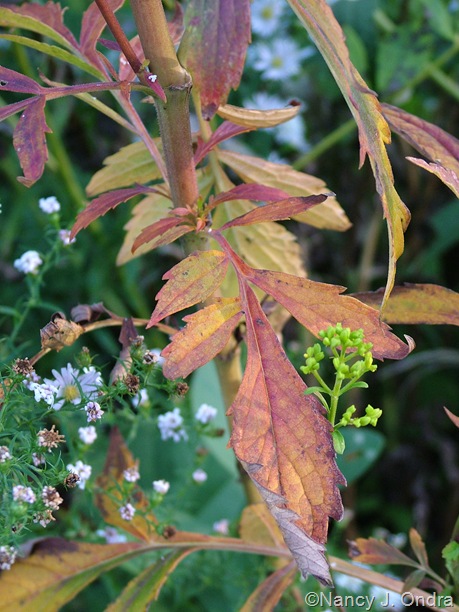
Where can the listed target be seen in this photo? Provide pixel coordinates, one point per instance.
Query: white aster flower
(45, 391)
(140, 399)
(93, 412)
(25, 494)
(131, 474)
(87, 434)
(7, 557)
(5, 454)
(49, 205)
(199, 476)
(127, 512)
(64, 236)
(279, 60)
(111, 535)
(266, 16)
(292, 133)
(38, 459)
(28, 263)
(72, 385)
(83, 470)
(205, 414)
(221, 526)
(161, 486)
(170, 426)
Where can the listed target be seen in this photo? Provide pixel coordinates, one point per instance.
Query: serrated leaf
(10, 80)
(56, 571)
(224, 131)
(276, 211)
(447, 176)
(378, 552)
(255, 119)
(142, 590)
(374, 133)
(284, 442)
(92, 26)
(162, 232)
(419, 548)
(205, 335)
(250, 191)
(30, 142)
(101, 205)
(258, 526)
(318, 305)
(328, 215)
(430, 140)
(191, 281)
(53, 51)
(213, 48)
(267, 595)
(109, 497)
(413, 304)
(131, 164)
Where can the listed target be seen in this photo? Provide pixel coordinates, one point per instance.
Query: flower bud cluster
(371, 417)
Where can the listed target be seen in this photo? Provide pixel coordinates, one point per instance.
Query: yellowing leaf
(267, 595)
(131, 164)
(284, 442)
(412, 304)
(191, 281)
(258, 526)
(328, 215)
(447, 176)
(205, 335)
(374, 132)
(252, 118)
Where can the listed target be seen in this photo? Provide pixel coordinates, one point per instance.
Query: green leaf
(451, 556)
(414, 580)
(339, 443)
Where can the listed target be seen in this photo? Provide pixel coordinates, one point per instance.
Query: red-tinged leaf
(107, 201)
(414, 304)
(430, 140)
(50, 14)
(276, 211)
(251, 191)
(162, 232)
(378, 552)
(453, 417)
(146, 586)
(447, 176)
(10, 80)
(284, 442)
(191, 281)
(109, 498)
(12, 109)
(267, 595)
(374, 132)
(30, 142)
(319, 305)
(224, 131)
(213, 48)
(205, 335)
(419, 548)
(92, 27)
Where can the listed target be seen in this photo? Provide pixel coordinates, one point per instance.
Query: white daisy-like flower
(131, 474)
(127, 512)
(72, 385)
(140, 399)
(205, 414)
(87, 434)
(44, 391)
(5, 454)
(266, 16)
(111, 535)
(49, 205)
(64, 236)
(170, 426)
(93, 412)
(83, 470)
(221, 526)
(25, 494)
(7, 557)
(28, 263)
(199, 476)
(279, 60)
(161, 486)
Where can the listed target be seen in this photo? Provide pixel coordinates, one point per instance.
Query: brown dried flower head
(51, 498)
(132, 383)
(23, 366)
(71, 480)
(181, 389)
(50, 438)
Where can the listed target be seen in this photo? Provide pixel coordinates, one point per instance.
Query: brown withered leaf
(319, 305)
(205, 335)
(191, 281)
(59, 332)
(413, 304)
(378, 552)
(284, 442)
(254, 119)
(109, 498)
(267, 595)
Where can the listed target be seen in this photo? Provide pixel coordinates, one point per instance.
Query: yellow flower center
(71, 393)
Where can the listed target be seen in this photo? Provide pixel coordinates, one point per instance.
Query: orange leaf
(205, 335)
(378, 552)
(318, 305)
(267, 595)
(284, 442)
(109, 498)
(189, 282)
(419, 548)
(412, 304)
(374, 132)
